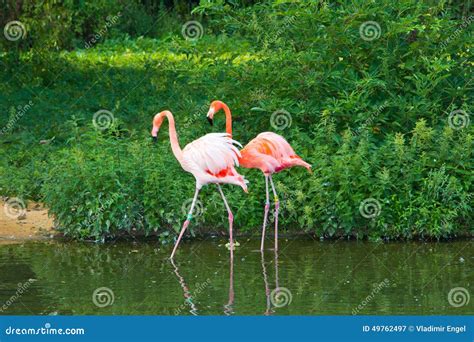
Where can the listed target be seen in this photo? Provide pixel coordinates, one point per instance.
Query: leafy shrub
(101, 186)
(90, 187)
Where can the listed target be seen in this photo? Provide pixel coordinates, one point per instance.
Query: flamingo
(210, 159)
(268, 152)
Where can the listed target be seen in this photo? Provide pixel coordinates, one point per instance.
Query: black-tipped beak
(154, 139)
(210, 121)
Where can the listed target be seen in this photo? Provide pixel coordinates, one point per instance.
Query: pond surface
(312, 277)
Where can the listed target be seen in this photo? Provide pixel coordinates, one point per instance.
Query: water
(320, 278)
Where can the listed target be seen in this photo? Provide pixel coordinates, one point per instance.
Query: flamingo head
(157, 121)
(213, 109)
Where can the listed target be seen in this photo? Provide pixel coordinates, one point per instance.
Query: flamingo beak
(154, 134)
(210, 115)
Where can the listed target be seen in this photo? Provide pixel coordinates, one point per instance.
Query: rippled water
(313, 278)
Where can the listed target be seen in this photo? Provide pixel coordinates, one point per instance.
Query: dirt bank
(33, 225)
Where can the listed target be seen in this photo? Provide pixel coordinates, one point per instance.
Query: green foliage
(58, 25)
(371, 116)
(89, 189)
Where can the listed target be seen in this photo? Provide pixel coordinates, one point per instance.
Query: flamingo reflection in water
(268, 293)
(228, 308)
(188, 298)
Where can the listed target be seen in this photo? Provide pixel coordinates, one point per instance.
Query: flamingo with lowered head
(268, 152)
(210, 159)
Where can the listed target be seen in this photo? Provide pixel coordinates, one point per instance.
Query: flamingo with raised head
(268, 152)
(210, 159)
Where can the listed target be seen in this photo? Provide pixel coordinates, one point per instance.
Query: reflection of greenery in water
(323, 278)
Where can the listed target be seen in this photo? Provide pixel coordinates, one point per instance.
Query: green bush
(373, 117)
(101, 186)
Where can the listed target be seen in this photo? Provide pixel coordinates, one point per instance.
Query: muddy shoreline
(32, 224)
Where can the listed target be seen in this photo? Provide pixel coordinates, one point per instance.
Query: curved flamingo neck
(228, 119)
(178, 153)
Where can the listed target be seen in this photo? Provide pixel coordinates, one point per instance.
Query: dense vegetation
(383, 118)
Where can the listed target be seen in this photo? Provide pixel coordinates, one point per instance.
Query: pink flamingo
(210, 159)
(268, 152)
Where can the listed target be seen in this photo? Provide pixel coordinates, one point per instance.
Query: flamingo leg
(231, 219)
(186, 223)
(265, 215)
(277, 206)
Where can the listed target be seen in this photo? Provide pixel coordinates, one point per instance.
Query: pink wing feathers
(270, 153)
